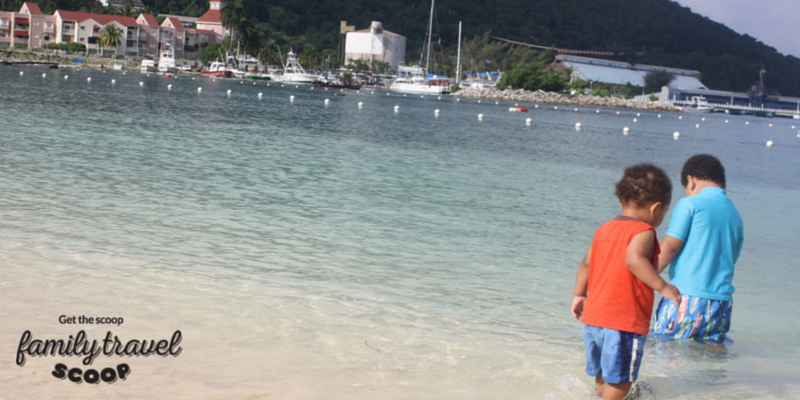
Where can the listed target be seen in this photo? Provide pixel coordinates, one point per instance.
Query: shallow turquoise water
(334, 251)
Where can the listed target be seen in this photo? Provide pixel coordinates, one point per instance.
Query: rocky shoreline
(558, 98)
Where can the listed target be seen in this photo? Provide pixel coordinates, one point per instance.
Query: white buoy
(793, 127)
(638, 114)
(193, 79)
(480, 117)
(479, 102)
(659, 115)
(241, 82)
(726, 121)
(598, 111)
(21, 73)
(512, 109)
(404, 95)
(770, 143)
(66, 77)
(747, 122)
(388, 94)
(169, 87)
(457, 99)
(141, 83)
(770, 125)
(496, 102)
(327, 101)
(396, 108)
(697, 125)
(516, 104)
(440, 97)
(291, 98)
(260, 95)
(436, 112)
(798, 134)
(296, 86)
(555, 108)
(199, 90)
(577, 125)
(528, 121)
(360, 104)
(535, 106)
(680, 117)
(625, 130)
(44, 75)
(703, 119)
(113, 81)
(576, 110)
(421, 96)
(148, 75)
(229, 92)
(282, 85)
(676, 135)
(635, 120)
(255, 84)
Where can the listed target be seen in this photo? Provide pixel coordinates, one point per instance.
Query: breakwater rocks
(558, 98)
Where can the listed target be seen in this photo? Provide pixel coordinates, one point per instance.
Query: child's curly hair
(644, 184)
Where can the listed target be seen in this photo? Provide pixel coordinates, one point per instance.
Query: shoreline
(557, 98)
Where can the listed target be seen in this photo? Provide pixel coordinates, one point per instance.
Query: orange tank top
(616, 298)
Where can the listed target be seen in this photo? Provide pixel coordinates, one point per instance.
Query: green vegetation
(657, 32)
(654, 80)
(529, 78)
(70, 47)
(111, 37)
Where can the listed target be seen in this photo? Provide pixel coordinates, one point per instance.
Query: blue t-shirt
(712, 233)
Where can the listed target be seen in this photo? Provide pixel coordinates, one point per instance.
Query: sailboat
(414, 79)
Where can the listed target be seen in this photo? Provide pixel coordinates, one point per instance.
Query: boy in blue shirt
(703, 242)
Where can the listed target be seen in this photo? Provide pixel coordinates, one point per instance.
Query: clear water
(311, 251)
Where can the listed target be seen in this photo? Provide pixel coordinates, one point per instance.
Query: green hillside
(658, 32)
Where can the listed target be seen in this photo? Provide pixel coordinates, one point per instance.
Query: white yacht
(294, 72)
(413, 80)
(166, 59)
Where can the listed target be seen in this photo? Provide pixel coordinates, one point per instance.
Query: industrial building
(623, 73)
(375, 44)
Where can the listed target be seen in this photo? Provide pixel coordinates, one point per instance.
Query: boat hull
(217, 74)
(351, 86)
(418, 88)
(299, 78)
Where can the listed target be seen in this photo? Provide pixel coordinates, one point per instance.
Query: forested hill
(659, 32)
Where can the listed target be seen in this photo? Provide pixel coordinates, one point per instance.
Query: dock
(49, 64)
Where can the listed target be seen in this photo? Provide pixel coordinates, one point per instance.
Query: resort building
(623, 73)
(28, 29)
(212, 19)
(375, 44)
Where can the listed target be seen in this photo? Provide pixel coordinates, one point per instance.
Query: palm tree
(111, 36)
(308, 56)
(235, 17)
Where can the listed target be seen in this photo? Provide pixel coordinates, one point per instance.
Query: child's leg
(599, 384)
(616, 391)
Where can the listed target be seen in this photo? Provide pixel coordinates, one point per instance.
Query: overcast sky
(773, 22)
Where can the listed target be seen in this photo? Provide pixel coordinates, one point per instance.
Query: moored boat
(217, 70)
(338, 85)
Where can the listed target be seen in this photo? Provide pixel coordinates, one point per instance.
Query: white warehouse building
(375, 44)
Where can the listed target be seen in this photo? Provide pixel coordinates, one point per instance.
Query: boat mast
(430, 31)
(458, 57)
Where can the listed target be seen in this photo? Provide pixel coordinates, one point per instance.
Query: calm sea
(334, 251)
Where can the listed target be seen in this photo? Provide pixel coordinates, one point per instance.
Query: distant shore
(558, 98)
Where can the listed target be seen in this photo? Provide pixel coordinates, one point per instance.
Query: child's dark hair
(704, 167)
(644, 184)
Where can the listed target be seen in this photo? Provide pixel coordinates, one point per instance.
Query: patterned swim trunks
(698, 318)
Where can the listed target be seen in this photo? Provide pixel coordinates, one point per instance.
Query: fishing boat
(295, 73)
(338, 85)
(414, 79)
(217, 69)
(148, 65)
(166, 59)
(698, 105)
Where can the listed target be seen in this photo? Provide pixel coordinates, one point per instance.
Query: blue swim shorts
(698, 318)
(616, 354)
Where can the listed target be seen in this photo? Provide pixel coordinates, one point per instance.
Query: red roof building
(212, 19)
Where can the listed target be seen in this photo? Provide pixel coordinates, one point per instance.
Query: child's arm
(640, 247)
(581, 286)
(670, 247)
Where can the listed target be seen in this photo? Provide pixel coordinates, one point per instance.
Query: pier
(49, 64)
